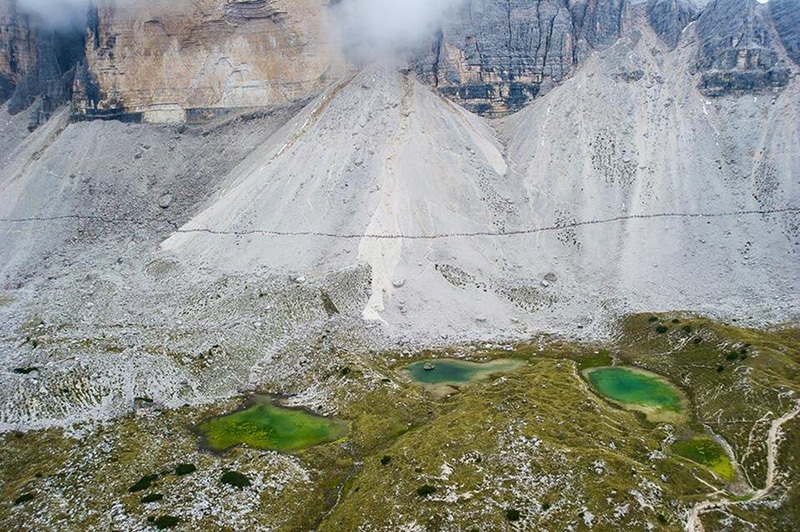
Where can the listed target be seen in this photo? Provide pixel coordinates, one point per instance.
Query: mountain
(209, 201)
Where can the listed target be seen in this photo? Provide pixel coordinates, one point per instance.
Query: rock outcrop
(669, 18)
(36, 63)
(171, 60)
(17, 45)
(494, 56)
(739, 50)
(786, 17)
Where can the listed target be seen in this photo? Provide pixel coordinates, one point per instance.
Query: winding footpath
(693, 523)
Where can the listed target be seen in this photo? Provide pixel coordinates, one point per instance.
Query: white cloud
(369, 29)
(57, 13)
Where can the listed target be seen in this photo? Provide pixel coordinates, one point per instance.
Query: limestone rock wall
(786, 16)
(669, 18)
(172, 60)
(494, 56)
(36, 62)
(17, 47)
(740, 49)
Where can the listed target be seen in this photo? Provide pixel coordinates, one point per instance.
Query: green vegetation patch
(269, 427)
(635, 388)
(707, 452)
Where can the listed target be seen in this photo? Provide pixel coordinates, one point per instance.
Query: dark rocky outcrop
(738, 53)
(669, 18)
(786, 17)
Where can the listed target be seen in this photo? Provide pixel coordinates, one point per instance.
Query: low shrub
(185, 469)
(661, 329)
(386, 459)
(166, 521)
(235, 479)
(25, 497)
(512, 514)
(152, 497)
(143, 483)
(425, 490)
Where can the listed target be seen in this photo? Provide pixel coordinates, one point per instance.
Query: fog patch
(371, 30)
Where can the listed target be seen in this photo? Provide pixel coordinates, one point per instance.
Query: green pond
(455, 372)
(707, 452)
(633, 387)
(269, 427)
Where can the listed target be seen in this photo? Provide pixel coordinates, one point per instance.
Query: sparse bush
(661, 329)
(512, 514)
(386, 459)
(697, 340)
(152, 497)
(143, 483)
(653, 319)
(25, 497)
(425, 490)
(235, 479)
(662, 519)
(546, 506)
(676, 320)
(166, 521)
(687, 329)
(730, 357)
(184, 469)
(720, 368)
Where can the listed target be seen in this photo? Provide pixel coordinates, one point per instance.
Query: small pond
(638, 390)
(455, 372)
(266, 426)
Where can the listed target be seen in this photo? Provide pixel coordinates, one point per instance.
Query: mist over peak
(57, 14)
(380, 29)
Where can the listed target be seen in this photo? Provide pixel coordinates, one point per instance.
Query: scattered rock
(165, 201)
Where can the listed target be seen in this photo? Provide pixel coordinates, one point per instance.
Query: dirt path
(693, 523)
(396, 236)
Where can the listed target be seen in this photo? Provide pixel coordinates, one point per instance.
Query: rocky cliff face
(36, 63)
(669, 18)
(186, 60)
(786, 16)
(740, 51)
(17, 45)
(171, 60)
(494, 56)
